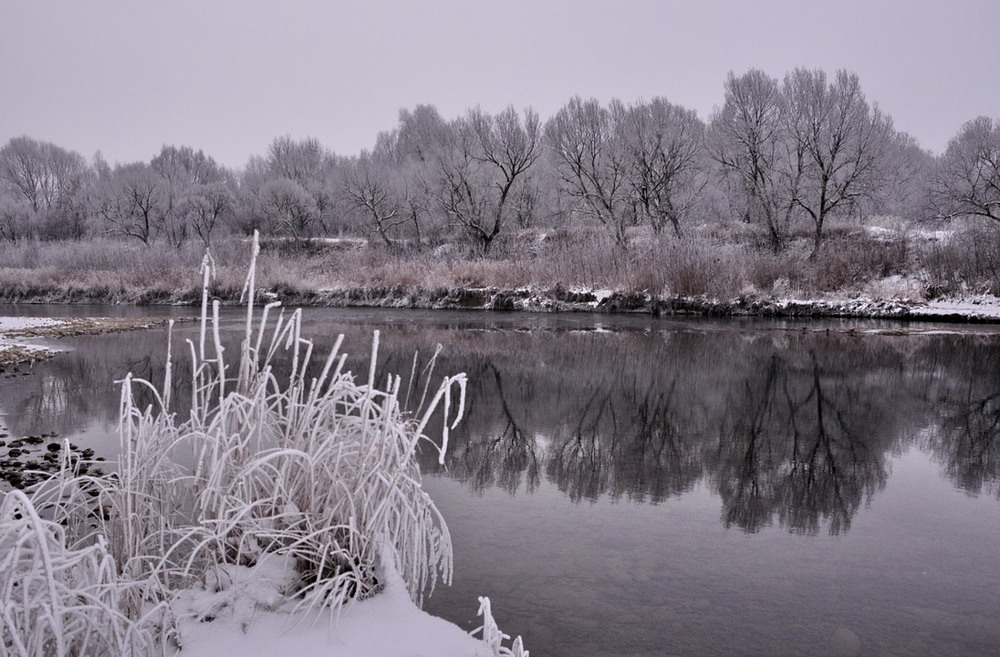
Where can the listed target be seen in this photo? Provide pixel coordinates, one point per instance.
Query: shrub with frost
(287, 485)
(311, 464)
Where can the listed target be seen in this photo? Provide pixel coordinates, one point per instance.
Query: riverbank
(976, 309)
(970, 309)
(894, 270)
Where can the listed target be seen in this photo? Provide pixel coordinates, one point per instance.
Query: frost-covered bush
(318, 468)
(305, 466)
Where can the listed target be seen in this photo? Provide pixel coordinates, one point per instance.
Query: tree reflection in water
(804, 446)
(504, 452)
(795, 431)
(967, 442)
(794, 428)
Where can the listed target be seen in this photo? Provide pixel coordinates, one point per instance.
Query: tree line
(778, 154)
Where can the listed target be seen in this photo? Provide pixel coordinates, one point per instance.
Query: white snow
(23, 323)
(879, 232)
(890, 234)
(386, 625)
(985, 307)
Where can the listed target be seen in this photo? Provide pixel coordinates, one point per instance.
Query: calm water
(634, 486)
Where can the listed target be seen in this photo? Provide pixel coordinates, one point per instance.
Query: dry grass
(967, 263)
(721, 260)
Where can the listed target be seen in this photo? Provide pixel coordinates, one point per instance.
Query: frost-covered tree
(840, 143)
(480, 168)
(418, 136)
(904, 187)
(308, 164)
(967, 177)
(205, 206)
(183, 171)
(301, 161)
(592, 162)
(625, 165)
(410, 154)
(15, 217)
(664, 146)
(40, 172)
(134, 201)
(371, 186)
(183, 166)
(748, 139)
(49, 181)
(289, 208)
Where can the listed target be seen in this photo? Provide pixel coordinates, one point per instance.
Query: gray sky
(228, 77)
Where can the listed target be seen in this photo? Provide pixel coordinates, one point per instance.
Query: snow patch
(24, 323)
(982, 307)
(386, 625)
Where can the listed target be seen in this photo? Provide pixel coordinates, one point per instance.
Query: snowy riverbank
(386, 625)
(965, 308)
(19, 336)
(969, 309)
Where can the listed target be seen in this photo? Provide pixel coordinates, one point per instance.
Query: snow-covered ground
(386, 625)
(983, 308)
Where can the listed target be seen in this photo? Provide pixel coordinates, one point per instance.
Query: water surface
(642, 486)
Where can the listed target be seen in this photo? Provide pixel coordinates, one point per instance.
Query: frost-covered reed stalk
(493, 637)
(59, 601)
(317, 466)
(303, 462)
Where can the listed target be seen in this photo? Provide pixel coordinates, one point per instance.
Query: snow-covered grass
(57, 600)
(289, 496)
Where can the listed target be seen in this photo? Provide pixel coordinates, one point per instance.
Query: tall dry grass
(720, 260)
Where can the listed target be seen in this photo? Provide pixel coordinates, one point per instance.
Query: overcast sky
(227, 77)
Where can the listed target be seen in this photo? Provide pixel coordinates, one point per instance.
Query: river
(640, 486)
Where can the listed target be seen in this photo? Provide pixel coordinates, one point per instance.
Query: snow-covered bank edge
(980, 309)
(388, 624)
(970, 309)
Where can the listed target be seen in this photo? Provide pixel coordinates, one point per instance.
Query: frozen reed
(282, 454)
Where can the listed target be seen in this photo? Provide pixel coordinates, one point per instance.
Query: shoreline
(974, 309)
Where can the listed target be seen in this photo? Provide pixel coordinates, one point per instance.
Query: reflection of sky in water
(620, 578)
(100, 436)
(633, 486)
